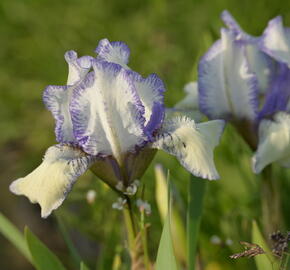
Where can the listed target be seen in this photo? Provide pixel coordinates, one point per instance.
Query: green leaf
(177, 225)
(14, 236)
(165, 256)
(43, 258)
(65, 234)
(83, 266)
(196, 191)
(263, 261)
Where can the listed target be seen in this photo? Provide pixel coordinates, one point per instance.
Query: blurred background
(165, 37)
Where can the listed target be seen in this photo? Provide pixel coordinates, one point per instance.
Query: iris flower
(246, 81)
(111, 120)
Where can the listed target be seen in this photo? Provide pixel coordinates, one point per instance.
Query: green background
(165, 37)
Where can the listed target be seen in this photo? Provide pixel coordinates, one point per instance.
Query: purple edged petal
(277, 98)
(151, 93)
(49, 184)
(274, 142)
(57, 99)
(78, 67)
(227, 86)
(192, 144)
(107, 113)
(261, 64)
(276, 41)
(232, 24)
(116, 52)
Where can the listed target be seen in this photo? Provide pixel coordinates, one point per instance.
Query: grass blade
(43, 258)
(196, 191)
(65, 234)
(14, 236)
(165, 256)
(177, 224)
(83, 266)
(263, 261)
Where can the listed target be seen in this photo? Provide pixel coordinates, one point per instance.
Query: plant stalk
(196, 191)
(271, 202)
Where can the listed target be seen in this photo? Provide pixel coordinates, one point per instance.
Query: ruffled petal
(115, 52)
(274, 142)
(192, 144)
(106, 112)
(227, 86)
(151, 93)
(78, 67)
(49, 184)
(57, 98)
(276, 41)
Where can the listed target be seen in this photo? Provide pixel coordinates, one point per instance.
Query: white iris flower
(110, 119)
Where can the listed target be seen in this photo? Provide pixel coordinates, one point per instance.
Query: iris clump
(111, 120)
(245, 80)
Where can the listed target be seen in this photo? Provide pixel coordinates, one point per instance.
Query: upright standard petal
(278, 95)
(77, 67)
(258, 61)
(227, 86)
(57, 98)
(232, 24)
(188, 106)
(261, 64)
(276, 41)
(192, 144)
(151, 93)
(190, 102)
(106, 112)
(274, 142)
(116, 52)
(49, 184)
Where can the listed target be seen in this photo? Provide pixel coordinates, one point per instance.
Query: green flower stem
(196, 191)
(144, 241)
(130, 224)
(271, 202)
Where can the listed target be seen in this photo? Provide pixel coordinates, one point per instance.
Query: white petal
(151, 93)
(49, 184)
(190, 102)
(192, 144)
(274, 142)
(106, 112)
(276, 41)
(115, 52)
(261, 64)
(226, 85)
(78, 67)
(57, 99)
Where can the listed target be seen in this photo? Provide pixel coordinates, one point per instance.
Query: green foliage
(83, 266)
(196, 192)
(165, 256)
(166, 37)
(42, 257)
(178, 229)
(264, 261)
(14, 236)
